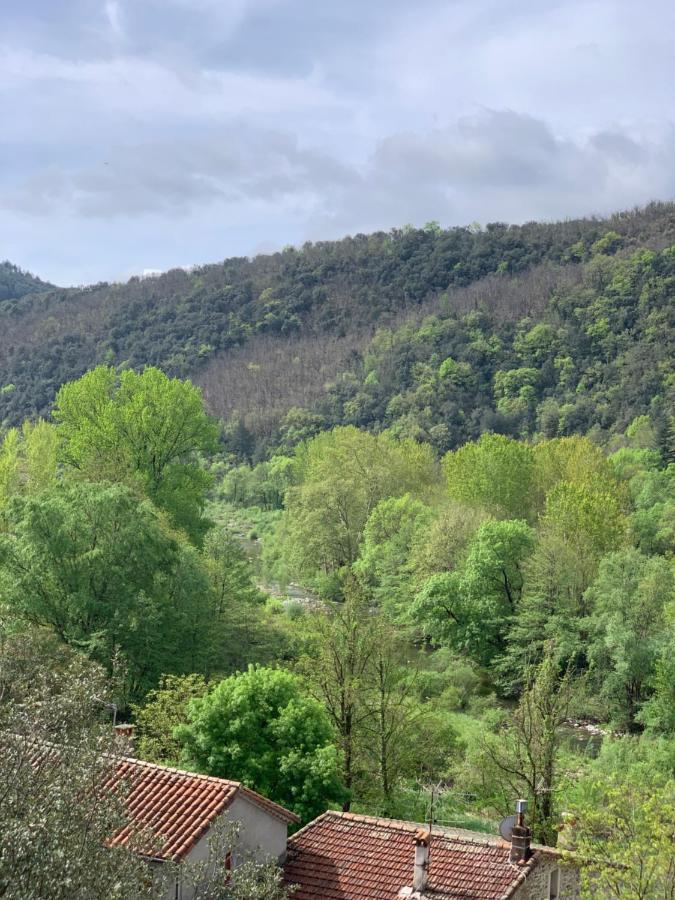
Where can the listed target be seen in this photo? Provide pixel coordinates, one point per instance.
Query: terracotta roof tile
(341, 856)
(176, 807)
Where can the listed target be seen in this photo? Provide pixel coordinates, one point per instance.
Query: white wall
(260, 834)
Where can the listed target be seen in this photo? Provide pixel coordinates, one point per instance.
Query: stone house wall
(540, 883)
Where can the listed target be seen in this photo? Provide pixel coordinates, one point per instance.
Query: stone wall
(537, 885)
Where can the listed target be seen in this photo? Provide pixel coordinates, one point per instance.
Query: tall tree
(143, 429)
(96, 566)
(341, 647)
(524, 752)
(259, 728)
(397, 739)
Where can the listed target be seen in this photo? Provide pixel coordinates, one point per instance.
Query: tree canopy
(259, 728)
(142, 429)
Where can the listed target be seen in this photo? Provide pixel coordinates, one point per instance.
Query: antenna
(506, 827)
(435, 792)
(110, 706)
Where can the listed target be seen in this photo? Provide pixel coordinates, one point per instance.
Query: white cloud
(113, 14)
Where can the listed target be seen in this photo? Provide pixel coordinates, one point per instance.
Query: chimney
(124, 737)
(421, 869)
(520, 836)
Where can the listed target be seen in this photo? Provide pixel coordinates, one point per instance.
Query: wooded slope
(304, 323)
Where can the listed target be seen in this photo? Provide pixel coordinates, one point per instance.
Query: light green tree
(621, 834)
(342, 475)
(578, 461)
(28, 460)
(144, 429)
(495, 473)
(96, 565)
(586, 518)
(441, 546)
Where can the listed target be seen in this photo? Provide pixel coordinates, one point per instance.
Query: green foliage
(15, 283)
(28, 460)
(621, 821)
(95, 565)
(141, 429)
(390, 532)
(520, 755)
(653, 521)
(163, 710)
(259, 728)
(495, 473)
(341, 477)
(574, 460)
(441, 545)
(264, 485)
(585, 517)
(469, 610)
(628, 602)
(229, 571)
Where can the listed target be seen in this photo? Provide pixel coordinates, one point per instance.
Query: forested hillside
(473, 615)
(14, 282)
(437, 334)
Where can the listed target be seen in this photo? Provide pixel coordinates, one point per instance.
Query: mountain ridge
(323, 305)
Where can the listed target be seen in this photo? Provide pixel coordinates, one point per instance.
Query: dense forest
(14, 282)
(438, 334)
(422, 563)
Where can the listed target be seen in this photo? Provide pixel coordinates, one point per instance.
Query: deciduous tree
(144, 429)
(259, 728)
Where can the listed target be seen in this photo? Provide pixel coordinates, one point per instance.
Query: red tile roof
(177, 807)
(341, 856)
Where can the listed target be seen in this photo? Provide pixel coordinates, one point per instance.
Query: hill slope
(14, 282)
(552, 327)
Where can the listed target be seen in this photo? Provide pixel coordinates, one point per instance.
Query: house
(179, 808)
(339, 855)
(342, 856)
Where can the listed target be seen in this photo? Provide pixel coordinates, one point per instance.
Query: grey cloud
(619, 147)
(501, 165)
(209, 127)
(182, 175)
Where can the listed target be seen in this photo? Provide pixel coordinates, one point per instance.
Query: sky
(140, 135)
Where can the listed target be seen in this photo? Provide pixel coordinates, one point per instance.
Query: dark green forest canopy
(14, 282)
(437, 334)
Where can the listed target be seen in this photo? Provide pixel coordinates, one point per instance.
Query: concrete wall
(537, 886)
(261, 834)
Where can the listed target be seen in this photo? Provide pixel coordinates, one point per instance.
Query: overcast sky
(145, 134)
